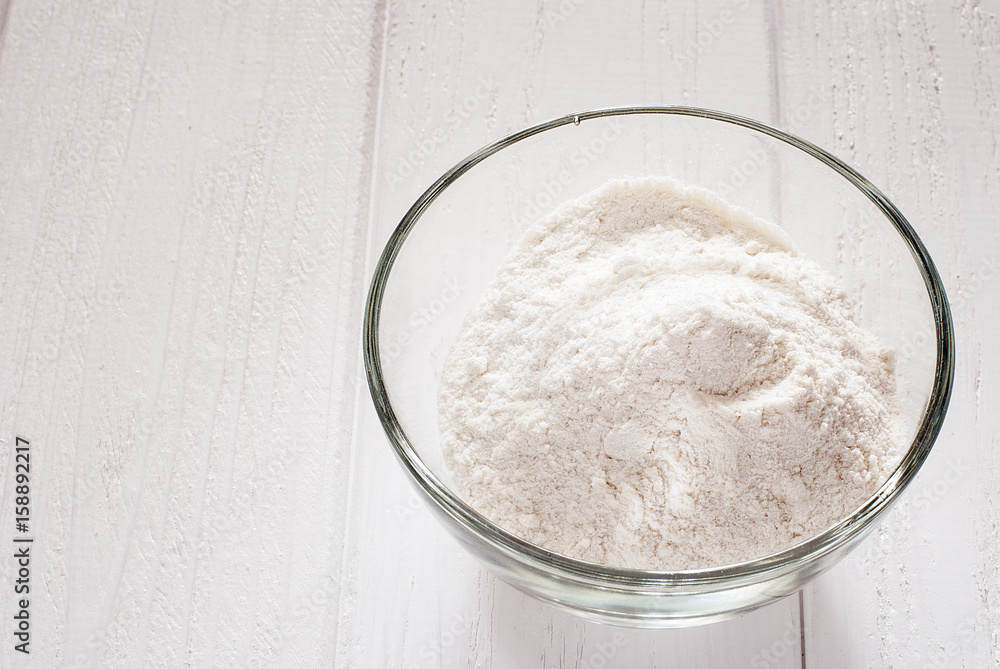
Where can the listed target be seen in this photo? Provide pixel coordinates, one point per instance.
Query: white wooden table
(192, 196)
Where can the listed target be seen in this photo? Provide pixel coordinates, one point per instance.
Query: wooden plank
(184, 193)
(456, 76)
(915, 90)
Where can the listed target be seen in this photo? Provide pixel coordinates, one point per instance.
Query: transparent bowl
(446, 249)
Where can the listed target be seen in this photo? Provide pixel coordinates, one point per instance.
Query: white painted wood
(184, 195)
(916, 92)
(192, 195)
(441, 60)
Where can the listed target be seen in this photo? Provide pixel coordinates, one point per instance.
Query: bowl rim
(837, 536)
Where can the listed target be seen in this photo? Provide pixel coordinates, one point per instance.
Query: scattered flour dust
(656, 380)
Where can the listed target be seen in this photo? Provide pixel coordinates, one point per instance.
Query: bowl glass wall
(446, 250)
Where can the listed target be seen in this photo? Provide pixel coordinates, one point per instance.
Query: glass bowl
(446, 249)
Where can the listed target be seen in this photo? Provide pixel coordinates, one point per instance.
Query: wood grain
(184, 203)
(192, 196)
(912, 115)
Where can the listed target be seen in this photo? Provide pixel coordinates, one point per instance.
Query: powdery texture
(655, 380)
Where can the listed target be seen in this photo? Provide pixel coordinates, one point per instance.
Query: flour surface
(656, 380)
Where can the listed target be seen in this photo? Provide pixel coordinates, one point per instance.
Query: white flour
(655, 380)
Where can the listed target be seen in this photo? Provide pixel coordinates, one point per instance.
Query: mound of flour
(656, 380)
